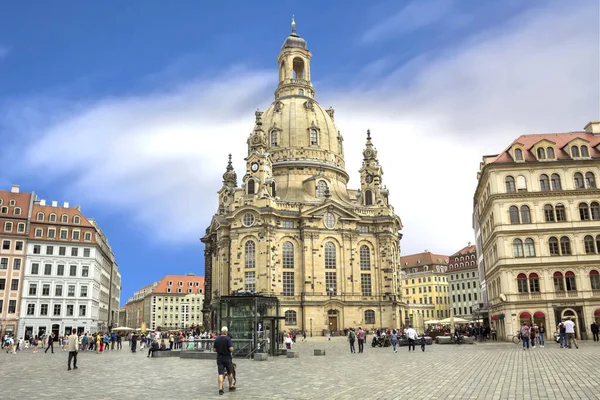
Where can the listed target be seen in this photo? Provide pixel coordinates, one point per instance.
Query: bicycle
(516, 339)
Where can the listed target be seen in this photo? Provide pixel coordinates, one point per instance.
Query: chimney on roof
(66, 205)
(15, 189)
(54, 203)
(469, 244)
(593, 127)
(42, 202)
(78, 208)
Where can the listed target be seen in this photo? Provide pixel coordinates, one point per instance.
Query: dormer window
(584, 151)
(321, 189)
(550, 153)
(40, 216)
(541, 153)
(12, 203)
(518, 155)
(313, 137)
(574, 151)
(274, 138)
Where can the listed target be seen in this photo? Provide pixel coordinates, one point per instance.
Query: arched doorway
(570, 313)
(597, 315)
(539, 319)
(524, 318)
(332, 319)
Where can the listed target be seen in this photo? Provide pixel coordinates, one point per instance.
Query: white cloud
(415, 15)
(160, 156)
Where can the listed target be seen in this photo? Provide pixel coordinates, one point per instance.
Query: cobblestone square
(480, 371)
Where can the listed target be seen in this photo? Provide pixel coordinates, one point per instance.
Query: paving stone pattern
(480, 371)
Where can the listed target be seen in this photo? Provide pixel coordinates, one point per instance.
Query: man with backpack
(525, 336)
(352, 339)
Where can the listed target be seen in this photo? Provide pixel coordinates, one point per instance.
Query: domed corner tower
(293, 229)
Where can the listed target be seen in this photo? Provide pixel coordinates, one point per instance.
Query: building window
(570, 281)
(12, 306)
(565, 246)
(574, 151)
(590, 180)
(525, 215)
(14, 284)
(363, 229)
(76, 219)
(553, 246)
(82, 310)
(578, 177)
(561, 214)
(64, 234)
(250, 254)
(16, 264)
(40, 216)
(51, 233)
(72, 270)
(331, 283)
(549, 213)
(86, 252)
(550, 152)
(6, 245)
(4, 263)
(287, 224)
(513, 213)
(518, 248)
(75, 235)
(274, 138)
(529, 248)
(288, 283)
(534, 283)
(365, 258)
(521, 183)
(39, 232)
(589, 245)
(47, 269)
(555, 181)
(49, 250)
(595, 279)
(250, 282)
(365, 284)
(21, 228)
(584, 212)
(52, 218)
(35, 267)
(74, 251)
(288, 255)
(17, 211)
(368, 198)
(290, 317)
(330, 256)
(8, 226)
(321, 189)
(248, 219)
(44, 309)
(62, 251)
(32, 289)
(70, 310)
(544, 183)
(56, 310)
(559, 284)
(83, 291)
(329, 220)
(87, 236)
(64, 219)
(251, 186)
(369, 317)
(58, 291)
(541, 153)
(71, 291)
(30, 309)
(510, 184)
(60, 270)
(314, 138)
(518, 155)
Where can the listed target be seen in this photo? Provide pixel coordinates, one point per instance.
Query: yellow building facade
(425, 287)
(293, 229)
(537, 219)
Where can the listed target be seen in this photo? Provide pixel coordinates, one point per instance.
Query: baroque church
(292, 229)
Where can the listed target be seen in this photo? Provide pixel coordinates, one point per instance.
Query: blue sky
(130, 108)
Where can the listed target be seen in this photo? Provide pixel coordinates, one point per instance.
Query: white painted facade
(61, 288)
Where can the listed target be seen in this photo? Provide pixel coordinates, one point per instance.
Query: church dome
(301, 131)
(294, 41)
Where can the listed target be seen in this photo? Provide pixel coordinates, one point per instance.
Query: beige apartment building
(15, 209)
(293, 229)
(537, 214)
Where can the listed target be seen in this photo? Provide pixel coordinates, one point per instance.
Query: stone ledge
(319, 352)
(196, 355)
(293, 354)
(161, 354)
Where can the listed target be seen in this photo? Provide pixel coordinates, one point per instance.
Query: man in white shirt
(570, 331)
(411, 335)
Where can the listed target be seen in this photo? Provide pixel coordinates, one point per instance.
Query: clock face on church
(254, 167)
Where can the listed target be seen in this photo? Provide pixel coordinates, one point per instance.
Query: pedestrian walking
(394, 340)
(133, 342)
(411, 335)
(224, 348)
(50, 343)
(423, 342)
(532, 332)
(595, 329)
(525, 336)
(119, 342)
(541, 335)
(73, 348)
(361, 339)
(562, 335)
(351, 340)
(570, 331)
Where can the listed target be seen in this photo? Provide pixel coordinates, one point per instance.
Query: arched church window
(288, 255)
(251, 186)
(301, 92)
(321, 189)
(298, 66)
(314, 138)
(274, 138)
(365, 258)
(250, 254)
(273, 192)
(330, 256)
(368, 198)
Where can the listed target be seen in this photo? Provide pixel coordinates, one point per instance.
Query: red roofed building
(537, 224)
